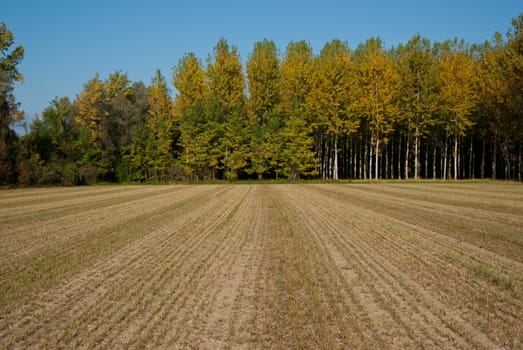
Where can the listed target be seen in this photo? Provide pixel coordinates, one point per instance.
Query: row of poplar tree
(419, 110)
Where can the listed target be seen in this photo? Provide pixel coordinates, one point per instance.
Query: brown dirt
(263, 266)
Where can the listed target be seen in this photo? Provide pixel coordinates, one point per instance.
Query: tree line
(419, 110)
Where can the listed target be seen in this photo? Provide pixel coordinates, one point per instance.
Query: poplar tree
(378, 82)
(456, 91)
(297, 79)
(264, 77)
(227, 104)
(161, 125)
(418, 93)
(196, 128)
(333, 95)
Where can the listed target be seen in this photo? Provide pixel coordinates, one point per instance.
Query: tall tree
(491, 87)
(456, 90)
(161, 125)
(116, 88)
(263, 72)
(333, 95)
(418, 93)
(90, 106)
(378, 82)
(190, 81)
(226, 90)
(9, 112)
(297, 79)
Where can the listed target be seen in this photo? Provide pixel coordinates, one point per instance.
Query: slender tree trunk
(426, 170)
(445, 158)
(319, 160)
(434, 154)
(391, 170)
(519, 162)
(455, 157)
(416, 157)
(335, 170)
(365, 158)
(371, 156)
(407, 158)
(471, 158)
(357, 157)
(506, 156)
(494, 157)
(482, 166)
(376, 174)
(386, 175)
(349, 165)
(399, 158)
(360, 156)
(326, 159)
(354, 152)
(329, 159)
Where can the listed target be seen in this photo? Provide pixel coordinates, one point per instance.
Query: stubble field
(356, 266)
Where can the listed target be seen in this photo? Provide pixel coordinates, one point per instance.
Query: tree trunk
(471, 158)
(354, 152)
(399, 158)
(434, 154)
(482, 167)
(391, 171)
(386, 175)
(335, 170)
(360, 157)
(407, 158)
(376, 174)
(519, 162)
(455, 157)
(445, 157)
(416, 157)
(426, 170)
(506, 156)
(494, 156)
(371, 156)
(319, 154)
(365, 158)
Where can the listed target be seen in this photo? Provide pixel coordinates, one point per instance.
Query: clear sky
(67, 42)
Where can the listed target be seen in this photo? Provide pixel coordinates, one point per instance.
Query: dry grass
(263, 266)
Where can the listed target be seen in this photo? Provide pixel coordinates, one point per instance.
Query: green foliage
(263, 72)
(227, 107)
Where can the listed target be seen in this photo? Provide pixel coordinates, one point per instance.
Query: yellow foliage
(190, 82)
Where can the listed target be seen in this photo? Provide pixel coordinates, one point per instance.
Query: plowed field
(372, 266)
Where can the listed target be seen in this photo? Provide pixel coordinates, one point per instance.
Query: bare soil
(355, 266)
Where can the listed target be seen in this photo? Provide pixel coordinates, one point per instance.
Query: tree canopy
(422, 109)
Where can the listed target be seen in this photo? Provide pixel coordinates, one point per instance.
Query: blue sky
(67, 42)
